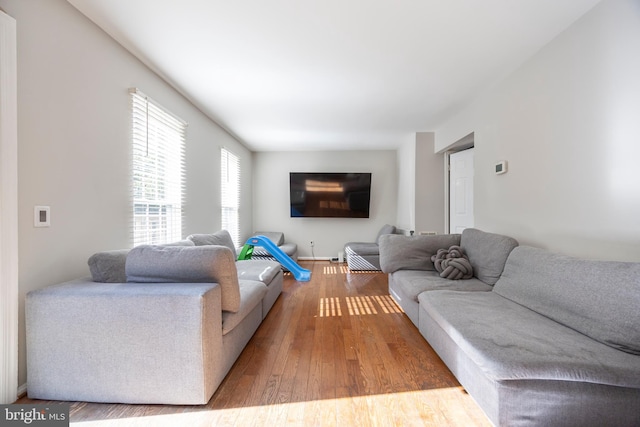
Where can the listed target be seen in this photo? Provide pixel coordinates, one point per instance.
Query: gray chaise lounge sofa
(365, 256)
(555, 341)
(277, 237)
(167, 336)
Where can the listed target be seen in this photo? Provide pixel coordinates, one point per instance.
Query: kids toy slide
(300, 274)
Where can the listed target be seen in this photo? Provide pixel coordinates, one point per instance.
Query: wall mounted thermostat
(41, 216)
(501, 167)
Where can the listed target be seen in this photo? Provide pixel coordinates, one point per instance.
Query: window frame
(230, 192)
(158, 139)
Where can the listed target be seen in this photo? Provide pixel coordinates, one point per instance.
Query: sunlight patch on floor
(329, 307)
(388, 304)
(421, 407)
(358, 306)
(344, 269)
(330, 269)
(347, 270)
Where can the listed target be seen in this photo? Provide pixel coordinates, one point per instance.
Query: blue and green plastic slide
(300, 274)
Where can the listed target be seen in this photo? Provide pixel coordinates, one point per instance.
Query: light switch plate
(501, 167)
(41, 216)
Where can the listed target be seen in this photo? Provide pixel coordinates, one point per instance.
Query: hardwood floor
(333, 351)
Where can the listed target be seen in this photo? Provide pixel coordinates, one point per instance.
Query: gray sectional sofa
(535, 337)
(407, 259)
(168, 334)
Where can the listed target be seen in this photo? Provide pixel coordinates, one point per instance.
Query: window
(158, 139)
(230, 193)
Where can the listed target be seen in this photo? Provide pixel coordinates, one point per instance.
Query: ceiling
(331, 74)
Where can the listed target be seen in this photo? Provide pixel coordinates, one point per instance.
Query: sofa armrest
(398, 252)
(124, 342)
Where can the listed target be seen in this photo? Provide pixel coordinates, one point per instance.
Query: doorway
(461, 172)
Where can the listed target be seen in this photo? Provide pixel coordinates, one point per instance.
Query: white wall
(568, 124)
(420, 185)
(406, 191)
(271, 198)
(74, 145)
(429, 187)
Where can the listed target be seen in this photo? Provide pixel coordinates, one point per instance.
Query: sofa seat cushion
(362, 248)
(600, 299)
(251, 294)
(510, 342)
(259, 270)
(415, 282)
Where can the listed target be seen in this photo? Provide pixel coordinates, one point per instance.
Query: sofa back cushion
(487, 253)
(109, 266)
(600, 299)
(187, 264)
(386, 229)
(399, 252)
(222, 238)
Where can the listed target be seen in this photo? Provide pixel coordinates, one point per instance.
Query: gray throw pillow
(222, 238)
(277, 237)
(108, 266)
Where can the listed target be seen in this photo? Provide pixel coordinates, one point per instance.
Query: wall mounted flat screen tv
(329, 195)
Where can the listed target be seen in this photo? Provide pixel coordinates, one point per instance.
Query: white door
(461, 191)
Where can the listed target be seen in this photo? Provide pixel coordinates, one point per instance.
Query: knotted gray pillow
(452, 263)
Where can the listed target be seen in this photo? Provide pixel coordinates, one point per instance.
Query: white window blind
(158, 139)
(230, 193)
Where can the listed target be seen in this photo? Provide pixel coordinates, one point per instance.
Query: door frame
(447, 187)
(463, 143)
(9, 291)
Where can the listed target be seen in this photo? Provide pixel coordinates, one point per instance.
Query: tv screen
(329, 195)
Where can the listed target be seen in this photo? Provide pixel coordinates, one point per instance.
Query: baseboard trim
(22, 390)
(395, 296)
(317, 258)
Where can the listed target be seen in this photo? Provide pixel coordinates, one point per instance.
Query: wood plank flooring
(333, 351)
